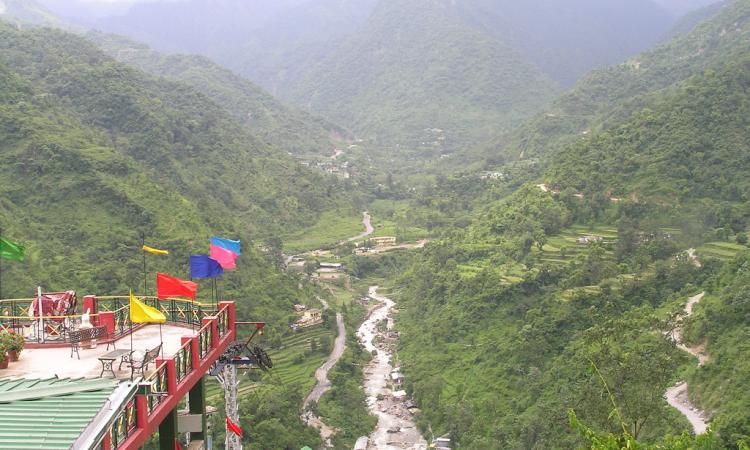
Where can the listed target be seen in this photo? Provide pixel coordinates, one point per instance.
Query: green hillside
(561, 297)
(415, 66)
(264, 116)
(102, 153)
(613, 93)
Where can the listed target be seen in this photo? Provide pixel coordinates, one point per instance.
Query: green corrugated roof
(50, 413)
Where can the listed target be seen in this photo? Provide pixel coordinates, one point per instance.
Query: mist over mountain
(316, 53)
(680, 7)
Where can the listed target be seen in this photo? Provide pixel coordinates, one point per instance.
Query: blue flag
(227, 244)
(202, 266)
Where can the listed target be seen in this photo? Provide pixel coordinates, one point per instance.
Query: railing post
(195, 352)
(231, 315)
(107, 442)
(141, 410)
(171, 373)
(107, 318)
(214, 330)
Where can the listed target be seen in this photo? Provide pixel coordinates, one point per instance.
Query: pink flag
(224, 257)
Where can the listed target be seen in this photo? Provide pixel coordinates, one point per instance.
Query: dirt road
(677, 395)
(324, 384)
(368, 228)
(322, 373)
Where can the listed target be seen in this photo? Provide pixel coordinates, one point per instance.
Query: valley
(484, 224)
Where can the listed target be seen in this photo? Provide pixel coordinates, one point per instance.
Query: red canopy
(167, 287)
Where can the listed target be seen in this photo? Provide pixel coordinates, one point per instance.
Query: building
(309, 318)
(331, 266)
(383, 241)
(50, 399)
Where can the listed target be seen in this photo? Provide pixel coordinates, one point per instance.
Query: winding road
(324, 384)
(677, 395)
(339, 345)
(368, 228)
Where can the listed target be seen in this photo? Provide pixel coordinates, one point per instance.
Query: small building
(441, 443)
(383, 241)
(333, 266)
(300, 308)
(397, 378)
(399, 395)
(309, 318)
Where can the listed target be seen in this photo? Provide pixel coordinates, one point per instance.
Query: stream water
(395, 428)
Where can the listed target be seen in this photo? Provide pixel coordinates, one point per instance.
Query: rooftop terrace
(48, 362)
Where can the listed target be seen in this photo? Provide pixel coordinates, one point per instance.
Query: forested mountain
(264, 40)
(388, 70)
(264, 116)
(613, 93)
(95, 142)
(564, 296)
(416, 65)
(566, 39)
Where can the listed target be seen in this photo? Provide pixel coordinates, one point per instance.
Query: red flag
(167, 286)
(233, 427)
(177, 445)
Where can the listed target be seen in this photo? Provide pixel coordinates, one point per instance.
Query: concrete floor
(48, 362)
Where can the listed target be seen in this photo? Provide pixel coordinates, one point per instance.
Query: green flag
(11, 250)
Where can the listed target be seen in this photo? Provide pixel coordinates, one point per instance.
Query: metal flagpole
(40, 332)
(161, 341)
(143, 240)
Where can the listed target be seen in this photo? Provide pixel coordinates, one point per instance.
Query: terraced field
(719, 250)
(293, 363)
(563, 248)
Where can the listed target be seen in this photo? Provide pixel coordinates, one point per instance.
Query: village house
(383, 241)
(309, 318)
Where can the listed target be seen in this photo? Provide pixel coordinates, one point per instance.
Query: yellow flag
(155, 251)
(142, 313)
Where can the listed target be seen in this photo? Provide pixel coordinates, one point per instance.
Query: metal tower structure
(228, 380)
(238, 355)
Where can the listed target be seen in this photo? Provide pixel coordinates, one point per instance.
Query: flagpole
(161, 341)
(143, 240)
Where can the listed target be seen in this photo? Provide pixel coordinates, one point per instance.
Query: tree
(310, 267)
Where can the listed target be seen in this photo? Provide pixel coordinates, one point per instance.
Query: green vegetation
(264, 116)
(417, 71)
(332, 227)
(527, 321)
(614, 93)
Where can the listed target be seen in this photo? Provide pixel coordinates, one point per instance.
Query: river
(395, 428)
